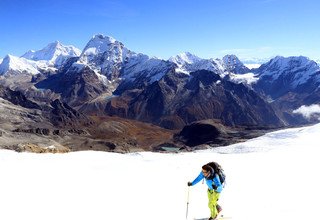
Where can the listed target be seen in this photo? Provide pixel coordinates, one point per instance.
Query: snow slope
(270, 177)
(18, 64)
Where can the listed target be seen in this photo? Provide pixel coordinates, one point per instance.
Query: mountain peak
(101, 37)
(56, 44)
(233, 64)
(231, 60)
(100, 44)
(55, 53)
(104, 51)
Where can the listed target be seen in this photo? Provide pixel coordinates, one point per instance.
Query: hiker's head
(207, 170)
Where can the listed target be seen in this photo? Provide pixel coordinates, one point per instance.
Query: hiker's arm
(198, 179)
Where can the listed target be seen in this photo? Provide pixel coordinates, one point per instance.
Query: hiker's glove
(189, 184)
(214, 187)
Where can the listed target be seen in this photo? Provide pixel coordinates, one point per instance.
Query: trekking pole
(188, 202)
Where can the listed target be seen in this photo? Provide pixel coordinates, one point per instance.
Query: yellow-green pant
(213, 200)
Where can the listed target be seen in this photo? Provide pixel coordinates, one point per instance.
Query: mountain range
(107, 79)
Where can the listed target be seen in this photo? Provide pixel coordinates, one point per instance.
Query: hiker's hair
(207, 167)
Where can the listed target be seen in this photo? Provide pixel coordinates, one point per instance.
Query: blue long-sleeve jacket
(215, 181)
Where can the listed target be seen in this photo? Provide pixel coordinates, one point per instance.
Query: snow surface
(271, 177)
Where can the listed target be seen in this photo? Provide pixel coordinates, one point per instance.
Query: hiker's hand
(214, 187)
(189, 184)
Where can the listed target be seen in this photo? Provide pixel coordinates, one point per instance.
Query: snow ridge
(187, 62)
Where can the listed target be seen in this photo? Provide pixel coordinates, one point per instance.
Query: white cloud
(248, 78)
(308, 111)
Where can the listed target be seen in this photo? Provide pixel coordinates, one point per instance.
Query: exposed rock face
(59, 128)
(41, 131)
(63, 115)
(17, 98)
(76, 88)
(179, 99)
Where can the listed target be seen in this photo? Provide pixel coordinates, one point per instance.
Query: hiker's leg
(212, 204)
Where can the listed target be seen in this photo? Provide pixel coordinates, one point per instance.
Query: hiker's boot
(219, 208)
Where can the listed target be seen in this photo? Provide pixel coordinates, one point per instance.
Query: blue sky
(163, 28)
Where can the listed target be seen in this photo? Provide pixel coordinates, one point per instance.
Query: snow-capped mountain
(119, 67)
(105, 55)
(289, 83)
(106, 68)
(187, 63)
(295, 70)
(101, 46)
(105, 65)
(111, 58)
(140, 65)
(47, 59)
(54, 53)
(232, 64)
(15, 64)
